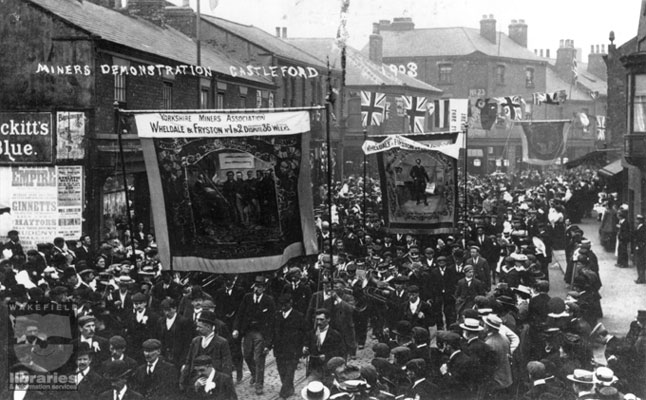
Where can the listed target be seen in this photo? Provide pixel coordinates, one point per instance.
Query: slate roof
(586, 82)
(361, 71)
(269, 42)
(140, 34)
(456, 41)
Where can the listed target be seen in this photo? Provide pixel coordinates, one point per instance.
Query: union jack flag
(512, 108)
(373, 105)
(416, 112)
(601, 127)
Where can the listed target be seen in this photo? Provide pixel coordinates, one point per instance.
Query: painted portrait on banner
(419, 189)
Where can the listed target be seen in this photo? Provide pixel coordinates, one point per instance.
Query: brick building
(59, 58)
(483, 63)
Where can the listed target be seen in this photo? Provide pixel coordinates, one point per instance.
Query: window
(292, 99)
(500, 74)
(243, 102)
(446, 73)
(219, 101)
(639, 103)
(120, 80)
(529, 77)
(167, 96)
(258, 98)
(204, 98)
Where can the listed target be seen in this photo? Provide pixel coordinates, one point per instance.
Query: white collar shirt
(413, 306)
(170, 321)
(206, 340)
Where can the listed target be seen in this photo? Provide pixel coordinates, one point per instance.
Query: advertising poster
(26, 138)
(70, 201)
(70, 132)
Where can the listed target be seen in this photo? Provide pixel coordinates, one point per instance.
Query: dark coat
(228, 304)
(289, 335)
(99, 355)
(260, 317)
(219, 352)
(91, 385)
(331, 347)
(481, 270)
(31, 395)
(176, 340)
(483, 357)
(538, 309)
(443, 286)
(423, 390)
(130, 395)
(423, 315)
(138, 332)
(461, 373)
(224, 389)
(161, 384)
(465, 295)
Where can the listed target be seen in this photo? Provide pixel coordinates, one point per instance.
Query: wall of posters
(45, 202)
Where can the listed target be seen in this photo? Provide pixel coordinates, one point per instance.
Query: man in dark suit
(211, 384)
(228, 299)
(140, 325)
(156, 378)
(480, 267)
(207, 343)
(117, 373)
(167, 287)
(416, 311)
(459, 370)
(444, 280)
(481, 354)
(538, 308)
(421, 388)
(289, 332)
(97, 345)
(255, 325)
(117, 352)
(323, 344)
(420, 177)
(467, 289)
(84, 251)
(21, 376)
(623, 239)
(119, 302)
(639, 248)
(175, 333)
(88, 382)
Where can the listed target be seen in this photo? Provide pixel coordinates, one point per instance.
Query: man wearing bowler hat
(156, 378)
(255, 324)
(117, 373)
(289, 332)
(207, 343)
(209, 383)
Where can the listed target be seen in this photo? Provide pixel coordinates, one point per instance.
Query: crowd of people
(466, 315)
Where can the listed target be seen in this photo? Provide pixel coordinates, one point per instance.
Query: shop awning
(612, 169)
(595, 157)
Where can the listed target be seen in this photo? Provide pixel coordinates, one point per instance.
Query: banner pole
(328, 112)
(365, 176)
(117, 128)
(466, 183)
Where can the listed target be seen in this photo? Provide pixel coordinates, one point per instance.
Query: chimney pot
(603, 49)
(278, 31)
(185, 3)
(561, 43)
(547, 53)
(484, 16)
(597, 48)
(541, 52)
(513, 21)
(284, 32)
(521, 21)
(591, 48)
(536, 51)
(490, 16)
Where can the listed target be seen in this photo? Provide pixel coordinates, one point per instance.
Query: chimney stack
(596, 65)
(518, 32)
(402, 24)
(151, 10)
(488, 28)
(565, 55)
(181, 18)
(376, 45)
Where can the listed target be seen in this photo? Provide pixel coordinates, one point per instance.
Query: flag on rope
(373, 105)
(416, 112)
(601, 127)
(555, 98)
(441, 109)
(483, 114)
(575, 72)
(511, 107)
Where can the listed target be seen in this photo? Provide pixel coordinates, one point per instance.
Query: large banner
(419, 182)
(230, 191)
(544, 141)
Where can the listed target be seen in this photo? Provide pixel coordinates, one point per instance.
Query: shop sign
(26, 138)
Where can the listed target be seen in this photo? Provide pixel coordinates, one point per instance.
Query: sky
(587, 22)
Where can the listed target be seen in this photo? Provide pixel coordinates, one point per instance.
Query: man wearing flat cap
(210, 383)
(156, 378)
(175, 333)
(97, 345)
(255, 324)
(139, 325)
(117, 347)
(207, 343)
(467, 289)
(416, 311)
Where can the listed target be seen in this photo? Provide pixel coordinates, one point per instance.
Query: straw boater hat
(604, 376)
(581, 376)
(493, 321)
(471, 324)
(315, 390)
